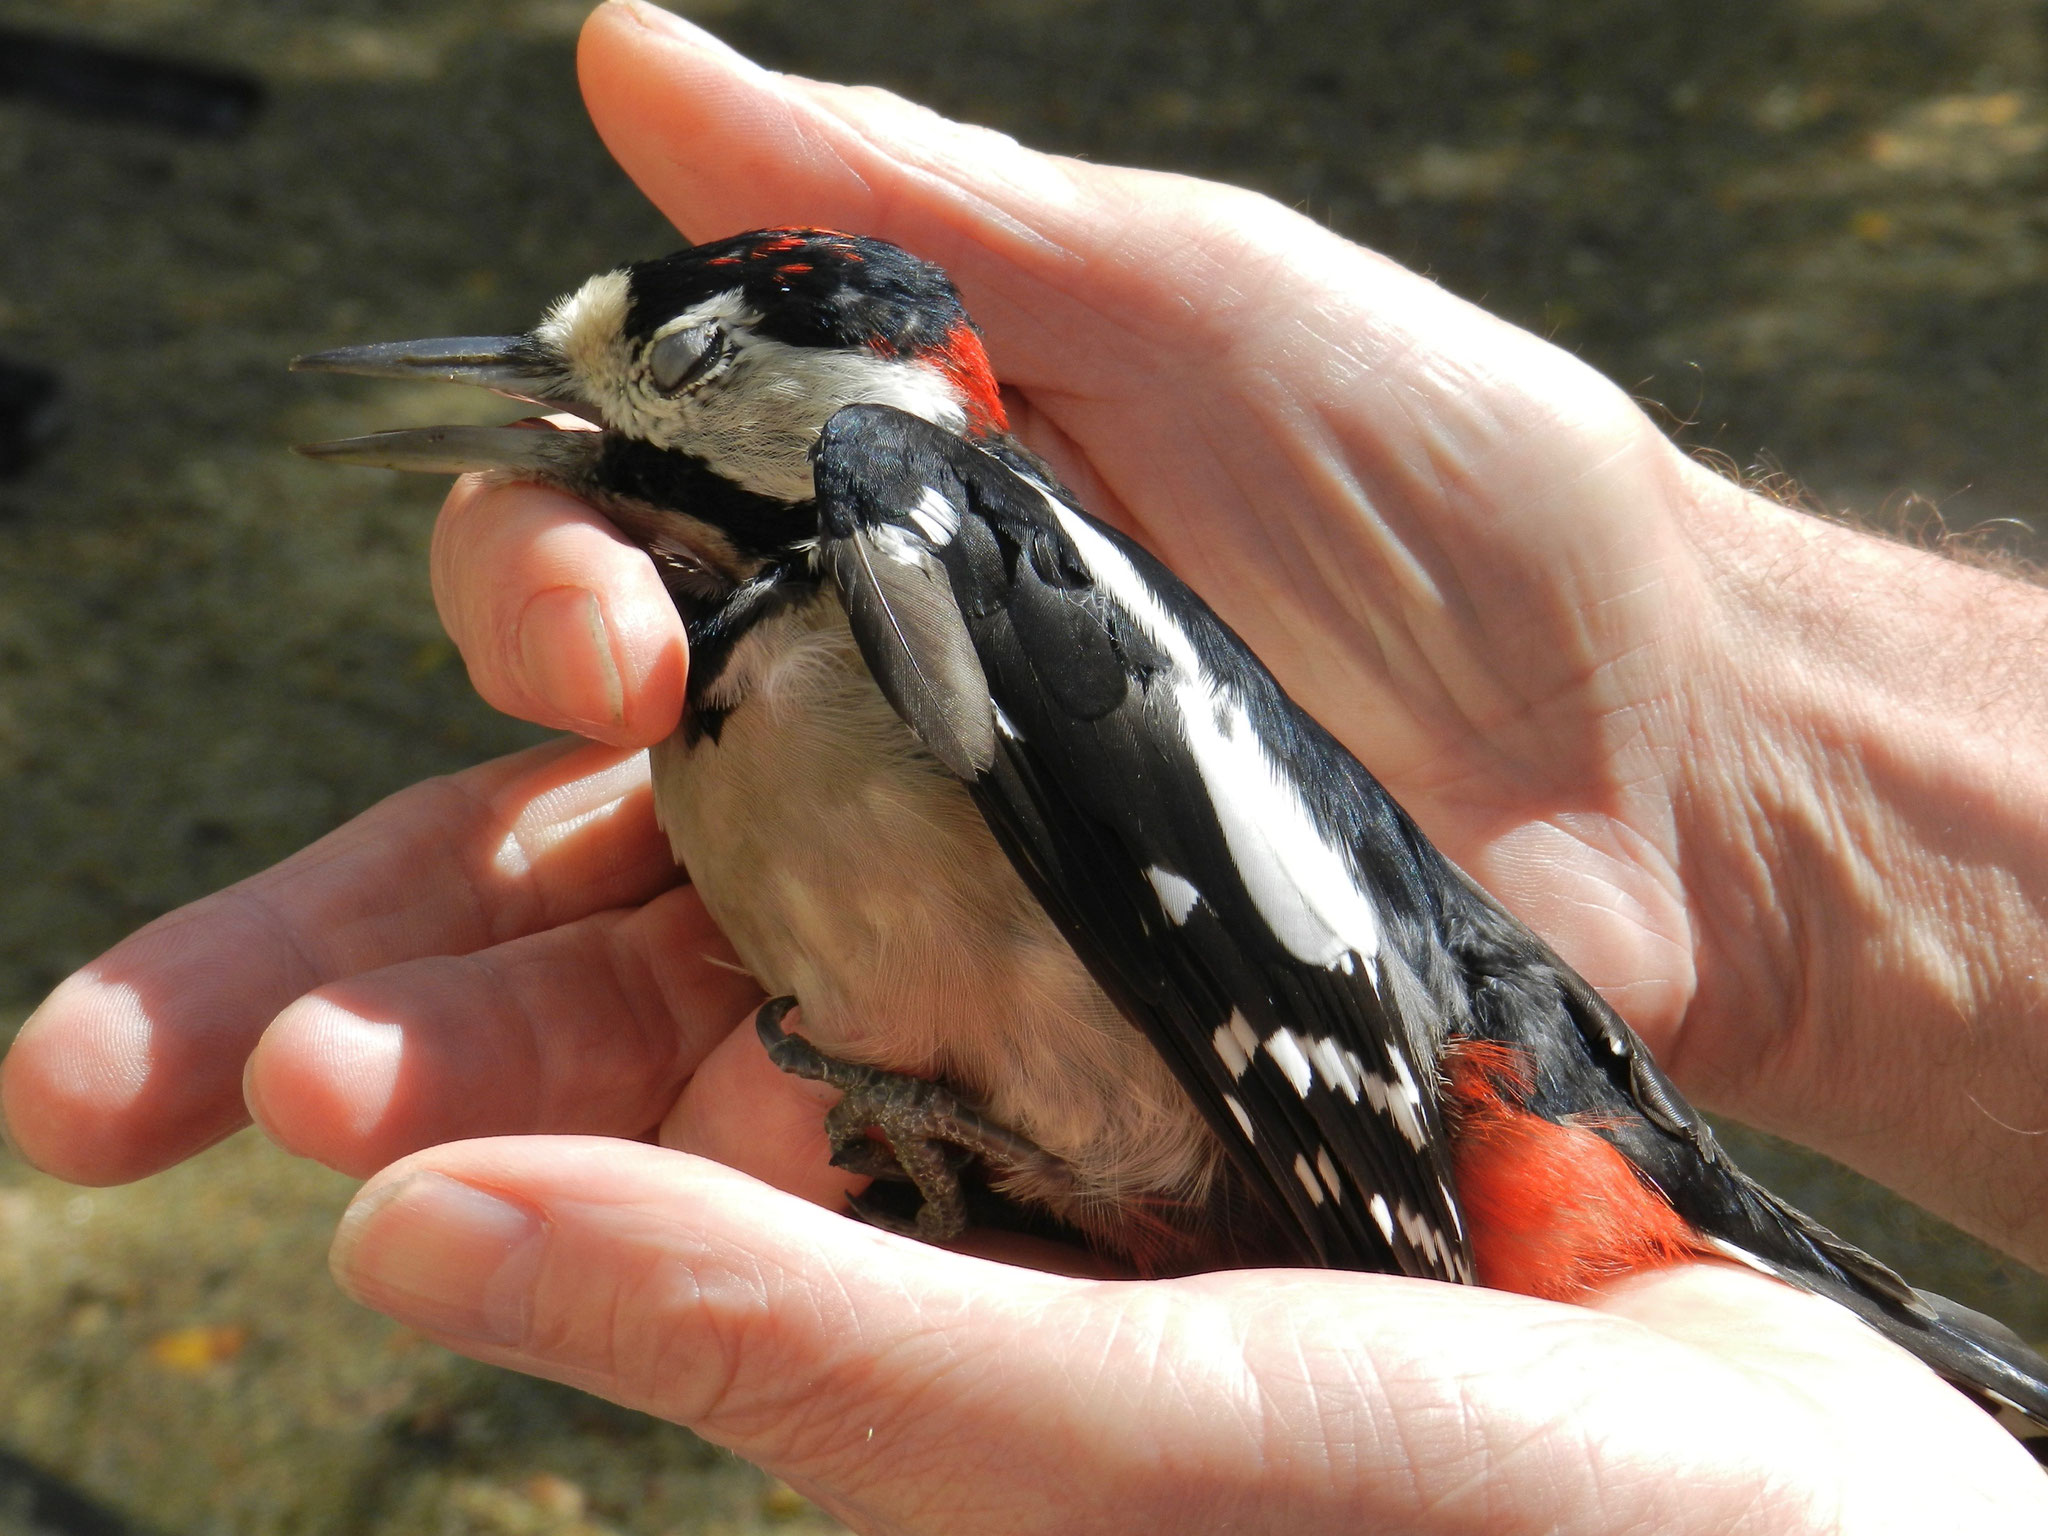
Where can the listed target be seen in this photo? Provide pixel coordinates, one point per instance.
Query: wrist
(1868, 862)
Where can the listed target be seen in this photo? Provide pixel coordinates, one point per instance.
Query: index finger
(135, 1062)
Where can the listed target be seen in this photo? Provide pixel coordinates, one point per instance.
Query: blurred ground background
(1814, 232)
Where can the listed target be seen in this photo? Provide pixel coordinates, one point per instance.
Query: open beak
(512, 366)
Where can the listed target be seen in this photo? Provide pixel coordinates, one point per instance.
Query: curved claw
(768, 1022)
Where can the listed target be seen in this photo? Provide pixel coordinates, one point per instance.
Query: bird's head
(732, 355)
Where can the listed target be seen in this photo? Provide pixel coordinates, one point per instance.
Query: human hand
(911, 1390)
(907, 1388)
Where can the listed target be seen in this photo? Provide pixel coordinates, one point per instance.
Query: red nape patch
(1554, 1210)
(961, 358)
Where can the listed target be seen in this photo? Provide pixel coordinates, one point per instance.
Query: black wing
(1252, 897)
(1233, 878)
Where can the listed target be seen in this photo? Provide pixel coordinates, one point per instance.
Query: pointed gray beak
(526, 453)
(513, 366)
(508, 365)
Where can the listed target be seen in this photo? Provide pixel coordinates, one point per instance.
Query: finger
(742, 1110)
(916, 1390)
(561, 620)
(1042, 245)
(136, 1061)
(591, 1027)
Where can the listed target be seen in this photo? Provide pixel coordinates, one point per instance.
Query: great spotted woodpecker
(1054, 869)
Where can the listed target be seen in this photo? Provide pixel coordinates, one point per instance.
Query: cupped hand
(912, 1390)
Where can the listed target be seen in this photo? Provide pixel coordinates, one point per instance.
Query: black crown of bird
(1092, 926)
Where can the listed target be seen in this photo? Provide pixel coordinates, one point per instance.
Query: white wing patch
(1235, 1062)
(936, 518)
(1399, 1100)
(1241, 1032)
(1328, 1058)
(1286, 1053)
(897, 544)
(1307, 1175)
(1406, 1104)
(1326, 1168)
(1244, 1121)
(1177, 897)
(1382, 1217)
(1301, 883)
(1421, 1232)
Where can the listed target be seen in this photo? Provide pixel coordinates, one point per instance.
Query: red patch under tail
(1553, 1210)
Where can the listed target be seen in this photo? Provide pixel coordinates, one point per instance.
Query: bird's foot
(928, 1134)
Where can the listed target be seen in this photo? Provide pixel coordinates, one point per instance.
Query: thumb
(916, 1390)
(1048, 251)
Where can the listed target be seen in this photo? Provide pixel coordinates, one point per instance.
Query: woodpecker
(1053, 873)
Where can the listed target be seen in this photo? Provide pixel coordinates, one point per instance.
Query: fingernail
(654, 17)
(681, 28)
(565, 650)
(443, 1257)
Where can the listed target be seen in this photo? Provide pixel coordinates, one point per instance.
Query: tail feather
(1981, 1352)
(1975, 1353)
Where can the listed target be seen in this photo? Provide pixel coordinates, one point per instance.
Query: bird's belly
(851, 870)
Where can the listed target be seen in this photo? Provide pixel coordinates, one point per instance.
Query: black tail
(1520, 993)
(1977, 1354)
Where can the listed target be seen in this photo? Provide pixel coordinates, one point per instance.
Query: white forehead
(586, 326)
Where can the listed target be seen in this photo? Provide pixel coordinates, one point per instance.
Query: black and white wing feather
(1241, 887)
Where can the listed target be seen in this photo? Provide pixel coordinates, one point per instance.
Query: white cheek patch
(1301, 884)
(757, 415)
(756, 420)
